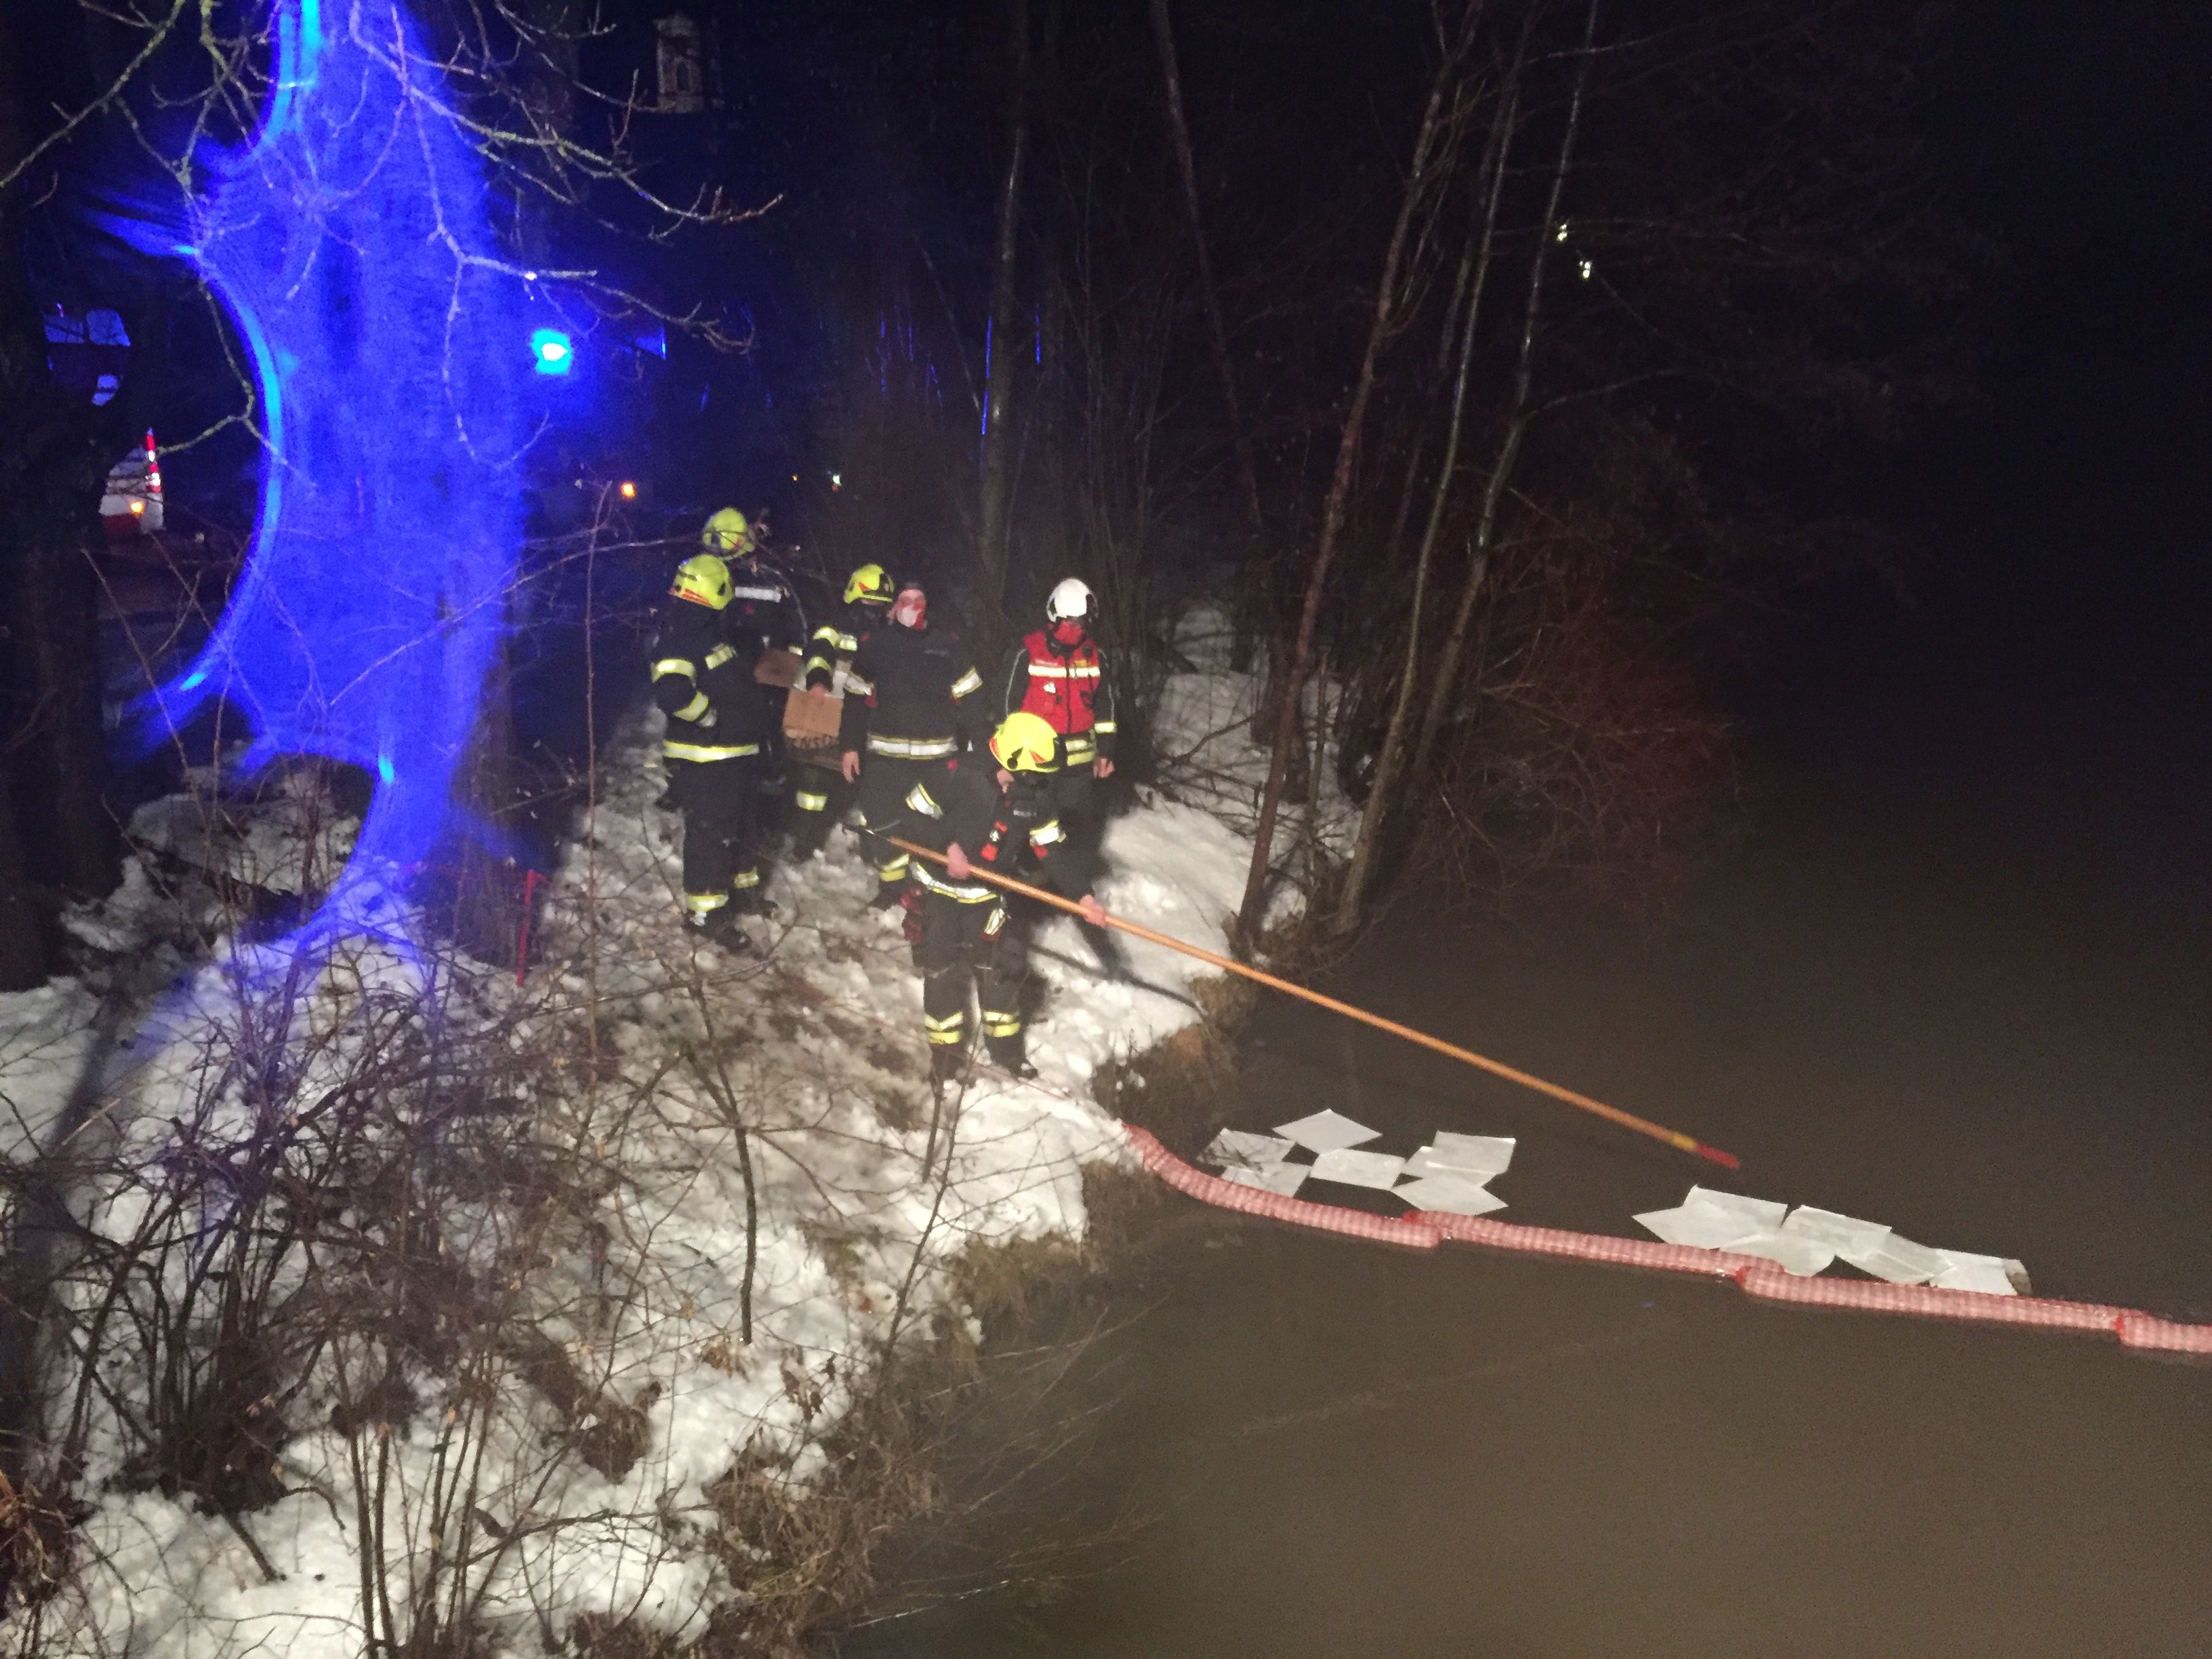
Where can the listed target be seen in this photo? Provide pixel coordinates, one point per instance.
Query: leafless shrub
(36, 1548)
(370, 1240)
(1178, 1087)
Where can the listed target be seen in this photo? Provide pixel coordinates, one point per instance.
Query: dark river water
(1957, 977)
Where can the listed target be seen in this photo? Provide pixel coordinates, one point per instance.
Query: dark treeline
(1500, 366)
(1506, 364)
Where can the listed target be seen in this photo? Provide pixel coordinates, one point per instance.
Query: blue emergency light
(551, 351)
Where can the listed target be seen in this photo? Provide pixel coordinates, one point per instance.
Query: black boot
(1011, 1060)
(888, 894)
(1107, 949)
(719, 928)
(947, 1062)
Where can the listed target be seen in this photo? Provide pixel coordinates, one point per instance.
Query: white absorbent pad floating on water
(1715, 1221)
(1358, 1168)
(1326, 1131)
(1843, 1234)
(1992, 1275)
(1764, 1214)
(1479, 1155)
(1805, 1241)
(1449, 1194)
(1898, 1260)
(1284, 1178)
(1241, 1149)
(1700, 1226)
(1792, 1252)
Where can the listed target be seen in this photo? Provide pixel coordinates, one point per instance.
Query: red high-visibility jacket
(1066, 686)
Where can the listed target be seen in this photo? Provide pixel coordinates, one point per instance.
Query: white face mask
(909, 608)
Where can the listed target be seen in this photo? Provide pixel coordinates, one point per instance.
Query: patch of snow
(46, 1038)
(862, 1200)
(286, 839)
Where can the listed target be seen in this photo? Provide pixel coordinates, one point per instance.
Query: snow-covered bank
(644, 1078)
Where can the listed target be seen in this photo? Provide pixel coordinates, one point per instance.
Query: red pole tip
(1726, 1160)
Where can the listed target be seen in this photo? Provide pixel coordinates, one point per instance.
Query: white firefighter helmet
(1069, 602)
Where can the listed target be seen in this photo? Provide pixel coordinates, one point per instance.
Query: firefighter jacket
(830, 653)
(911, 695)
(764, 608)
(703, 682)
(1065, 685)
(1014, 831)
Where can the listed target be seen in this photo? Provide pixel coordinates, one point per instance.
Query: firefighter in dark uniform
(763, 615)
(912, 703)
(1002, 820)
(713, 748)
(831, 653)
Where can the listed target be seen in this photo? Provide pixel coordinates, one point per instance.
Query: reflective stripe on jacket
(1066, 687)
(703, 682)
(763, 606)
(910, 694)
(1007, 830)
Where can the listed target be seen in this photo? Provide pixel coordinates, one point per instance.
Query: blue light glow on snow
(350, 241)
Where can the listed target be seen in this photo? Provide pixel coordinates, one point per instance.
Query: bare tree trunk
(1240, 436)
(1428, 148)
(22, 963)
(51, 477)
(1000, 355)
(545, 74)
(487, 901)
(1475, 276)
(1443, 689)
(56, 618)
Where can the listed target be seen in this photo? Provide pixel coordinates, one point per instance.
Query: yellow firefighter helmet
(703, 580)
(1026, 743)
(728, 531)
(869, 585)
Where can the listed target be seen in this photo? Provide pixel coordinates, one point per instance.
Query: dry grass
(804, 1555)
(35, 1544)
(605, 1635)
(1007, 1284)
(1177, 1088)
(1126, 1208)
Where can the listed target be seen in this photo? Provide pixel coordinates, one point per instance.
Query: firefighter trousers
(886, 782)
(1081, 800)
(819, 795)
(960, 942)
(721, 801)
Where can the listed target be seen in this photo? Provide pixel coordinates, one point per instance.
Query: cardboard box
(777, 668)
(810, 719)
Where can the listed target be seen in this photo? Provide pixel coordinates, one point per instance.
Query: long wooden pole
(1466, 1056)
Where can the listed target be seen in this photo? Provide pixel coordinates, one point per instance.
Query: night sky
(2081, 138)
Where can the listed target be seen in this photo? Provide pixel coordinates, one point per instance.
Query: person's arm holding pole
(1090, 909)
